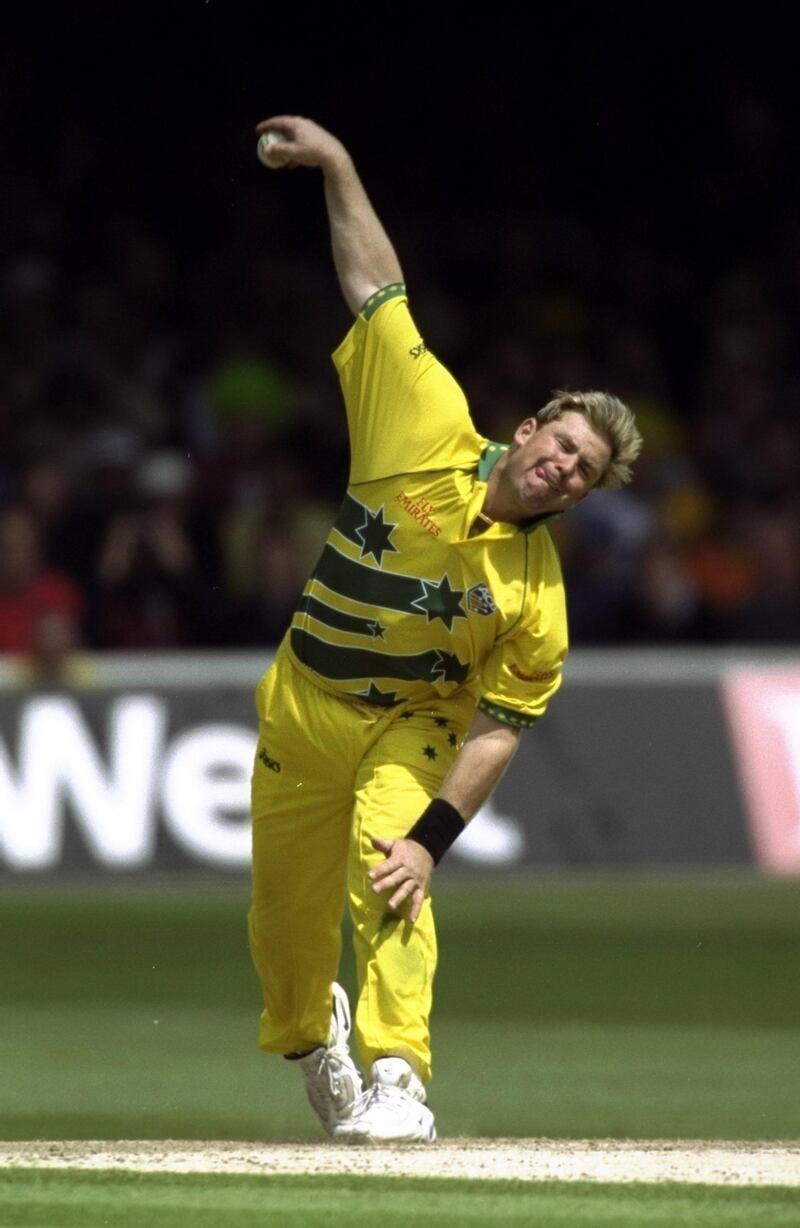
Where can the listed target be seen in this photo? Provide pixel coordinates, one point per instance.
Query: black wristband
(436, 828)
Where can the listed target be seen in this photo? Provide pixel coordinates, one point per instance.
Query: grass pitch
(628, 1007)
(82, 1200)
(624, 1007)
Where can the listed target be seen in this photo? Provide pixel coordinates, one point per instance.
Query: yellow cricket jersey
(403, 606)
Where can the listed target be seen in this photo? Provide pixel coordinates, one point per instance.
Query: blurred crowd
(173, 446)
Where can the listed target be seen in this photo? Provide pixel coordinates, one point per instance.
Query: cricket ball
(265, 152)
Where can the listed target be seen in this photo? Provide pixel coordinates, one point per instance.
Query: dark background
(608, 201)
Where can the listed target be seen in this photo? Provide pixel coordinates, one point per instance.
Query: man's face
(554, 465)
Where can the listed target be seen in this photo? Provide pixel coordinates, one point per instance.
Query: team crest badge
(480, 600)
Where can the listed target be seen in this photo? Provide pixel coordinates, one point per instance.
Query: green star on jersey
(374, 695)
(375, 535)
(440, 601)
(446, 667)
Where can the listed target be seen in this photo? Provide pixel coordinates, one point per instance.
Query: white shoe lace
(382, 1094)
(382, 1107)
(371, 1096)
(332, 1083)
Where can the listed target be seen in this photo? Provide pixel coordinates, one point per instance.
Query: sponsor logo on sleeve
(539, 675)
(268, 762)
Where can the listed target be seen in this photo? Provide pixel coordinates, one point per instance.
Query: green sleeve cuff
(507, 716)
(397, 289)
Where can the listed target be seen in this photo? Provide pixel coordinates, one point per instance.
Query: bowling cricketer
(430, 634)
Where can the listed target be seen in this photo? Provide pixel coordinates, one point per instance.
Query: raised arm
(362, 253)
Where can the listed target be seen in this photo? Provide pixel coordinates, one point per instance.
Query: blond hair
(610, 418)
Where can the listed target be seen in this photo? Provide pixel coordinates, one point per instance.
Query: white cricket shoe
(333, 1081)
(393, 1110)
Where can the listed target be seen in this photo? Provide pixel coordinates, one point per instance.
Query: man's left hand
(406, 872)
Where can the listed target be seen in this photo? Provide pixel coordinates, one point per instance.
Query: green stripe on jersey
(338, 619)
(338, 663)
(362, 583)
(396, 289)
(388, 590)
(507, 716)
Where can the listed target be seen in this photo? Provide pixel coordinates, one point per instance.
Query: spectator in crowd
(36, 602)
(155, 587)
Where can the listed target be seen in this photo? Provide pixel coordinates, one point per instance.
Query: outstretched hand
(406, 872)
(307, 144)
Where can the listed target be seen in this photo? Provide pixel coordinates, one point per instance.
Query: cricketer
(431, 632)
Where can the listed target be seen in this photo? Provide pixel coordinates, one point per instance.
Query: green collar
(488, 459)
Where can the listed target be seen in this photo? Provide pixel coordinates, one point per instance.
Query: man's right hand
(308, 144)
(406, 872)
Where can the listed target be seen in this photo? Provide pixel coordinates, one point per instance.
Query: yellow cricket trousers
(329, 773)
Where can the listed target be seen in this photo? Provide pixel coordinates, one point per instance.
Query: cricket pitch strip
(609, 1160)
